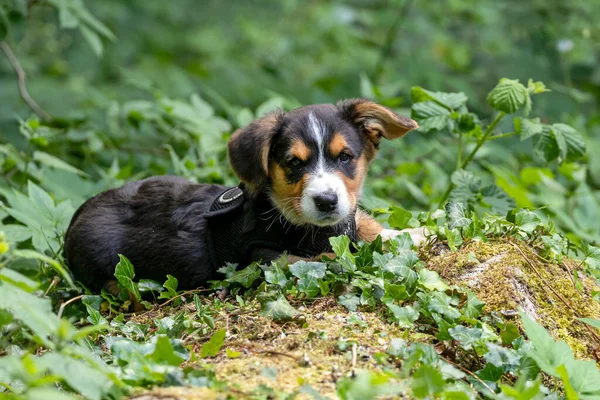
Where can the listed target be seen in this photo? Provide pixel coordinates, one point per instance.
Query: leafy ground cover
(502, 300)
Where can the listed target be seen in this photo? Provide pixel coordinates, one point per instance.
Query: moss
(505, 280)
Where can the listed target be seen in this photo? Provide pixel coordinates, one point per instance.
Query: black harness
(239, 224)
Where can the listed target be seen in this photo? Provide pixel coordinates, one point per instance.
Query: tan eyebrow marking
(337, 144)
(300, 149)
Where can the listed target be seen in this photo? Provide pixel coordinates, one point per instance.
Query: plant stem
(504, 135)
(21, 76)
(469, 158)
(459, 155)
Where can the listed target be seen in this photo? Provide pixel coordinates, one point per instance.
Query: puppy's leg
(368, 229)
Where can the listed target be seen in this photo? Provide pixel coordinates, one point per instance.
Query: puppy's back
(157, 223)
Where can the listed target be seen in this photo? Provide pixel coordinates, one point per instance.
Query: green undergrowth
(380, 319)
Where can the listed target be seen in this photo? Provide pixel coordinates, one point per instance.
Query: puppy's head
(312, 161)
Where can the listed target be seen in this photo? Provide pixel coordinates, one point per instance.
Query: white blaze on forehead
(318, 132)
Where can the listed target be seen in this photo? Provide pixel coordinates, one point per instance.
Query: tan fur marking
(367, 228)
(337, 144)
(286, 196)
(383, 120)
(300, 150)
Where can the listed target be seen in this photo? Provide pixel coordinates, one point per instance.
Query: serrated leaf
(54, 162)
(570, 143)
(430, 116)
(279, 309)
(214, 344)
(527, 221)
(124, 273)
(16, 233)
(545, 146)
(508, 96)
(498, 200)
(527, 128)
(451, 101)
(456, 213)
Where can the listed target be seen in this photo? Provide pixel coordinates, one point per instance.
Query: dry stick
(177, 297)
(562, 299)
(354, 355)
(66, 303)
(470, 373)
(54, 282)
(21, 76)
(277, 353)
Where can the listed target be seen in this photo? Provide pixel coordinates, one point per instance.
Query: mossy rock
(508, 275)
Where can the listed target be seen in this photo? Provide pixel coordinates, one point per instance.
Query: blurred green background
(161, 90)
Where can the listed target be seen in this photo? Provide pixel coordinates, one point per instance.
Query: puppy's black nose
(326, 202)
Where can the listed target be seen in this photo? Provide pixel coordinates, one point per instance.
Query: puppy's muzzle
(326, 202)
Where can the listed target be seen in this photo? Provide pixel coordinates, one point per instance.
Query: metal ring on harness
(230, 195)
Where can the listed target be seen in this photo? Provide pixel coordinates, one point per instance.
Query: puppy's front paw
(418, 235)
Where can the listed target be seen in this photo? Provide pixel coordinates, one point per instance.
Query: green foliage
(167, 96)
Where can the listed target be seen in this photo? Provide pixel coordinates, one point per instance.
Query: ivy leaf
(474, 306)
(214, 344)
(308, 274)
(165, 353)
(451, 101)
(439, 302)
(404, 316)
(124, 274)
(171, 285)
(467, 337)
(279, 309)
(350, 301)
(527, 221)
(427, 382)
(591, 322)
(431, 280)
(456, 215)
(430, 116)
(501, 356)
(246, 276)
(508, 96)
(399, 218)
(275, 275)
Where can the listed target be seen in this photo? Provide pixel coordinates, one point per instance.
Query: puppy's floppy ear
(249, 149)
(375, 120)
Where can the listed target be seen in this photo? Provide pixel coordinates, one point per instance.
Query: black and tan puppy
(302, 174)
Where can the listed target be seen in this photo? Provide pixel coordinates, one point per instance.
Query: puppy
(301, 176)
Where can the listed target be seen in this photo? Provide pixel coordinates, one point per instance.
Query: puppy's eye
(295, 163)
(344, 158)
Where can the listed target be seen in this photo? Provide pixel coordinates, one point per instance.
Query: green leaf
(54, 162)
(340, 245)
(497, 199)
(308, 274)
(467, 337)
(164, 352)
(171, 285)
(527, 128)
(124, 274)
(451, 101)
(430, 116)
(508, 96)
(564, 376)
(527, 221)
(246, 276)
(279, 309)
(16, 233)
(275, 275)
(213, 346)
(440, 303)
(34, 255)
(466, 187)
(431, 280)
(427, 382)
(570, 143)
(404, 316)
(399, 218)
(456, 215)
(501, 356)
(93, 40)
(232, 353)
(350, 301)
(474, 306)
(545, 146)
(16, 279)
(591, 322)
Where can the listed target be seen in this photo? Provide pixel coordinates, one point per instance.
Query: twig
(54, 282)
(354, 355)
(66, 303)
(562, 299)
(277, 353)
(177, 297)
(470, 373)
(21, 76)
